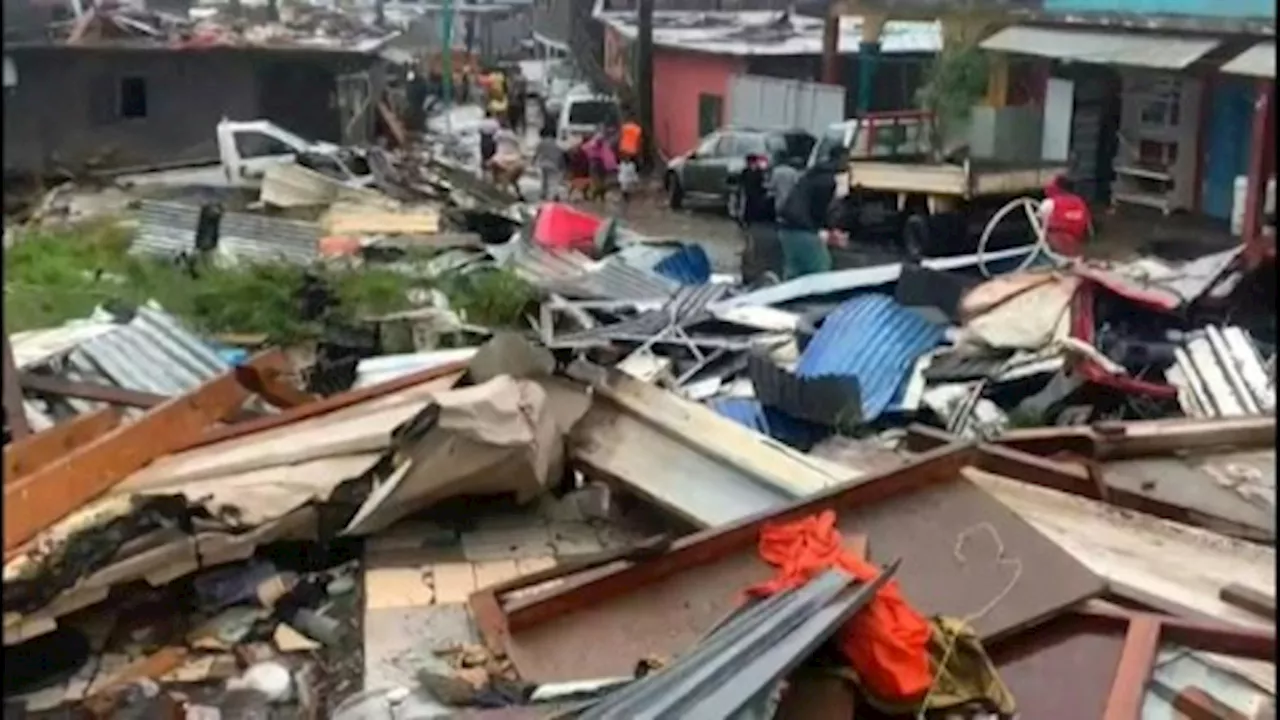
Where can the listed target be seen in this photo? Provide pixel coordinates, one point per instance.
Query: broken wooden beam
(25, 456)
(1246, 598)
(41, 499)
(111, 395)
(274, 385)
(330, 404)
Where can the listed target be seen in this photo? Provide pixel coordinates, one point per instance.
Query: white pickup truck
(247, 149)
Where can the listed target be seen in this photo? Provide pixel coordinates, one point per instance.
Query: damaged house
(118, 107)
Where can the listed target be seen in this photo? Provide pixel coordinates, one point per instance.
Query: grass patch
(56, 275)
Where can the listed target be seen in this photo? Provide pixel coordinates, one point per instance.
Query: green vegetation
(56, 275)
(955, 81)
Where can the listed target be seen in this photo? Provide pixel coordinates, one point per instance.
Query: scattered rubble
(1032, 460)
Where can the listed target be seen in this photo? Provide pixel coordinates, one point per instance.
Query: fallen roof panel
(874, 339)
(600, 623)
(865, 277)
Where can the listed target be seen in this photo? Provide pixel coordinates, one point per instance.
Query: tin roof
(874, 339)
(169, 229)
(1257, 61)
(1167, 52)
(769, 33)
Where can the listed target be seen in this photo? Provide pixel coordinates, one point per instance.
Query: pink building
(696, 54)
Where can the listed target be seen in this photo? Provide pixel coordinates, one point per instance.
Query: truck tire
(916, 237)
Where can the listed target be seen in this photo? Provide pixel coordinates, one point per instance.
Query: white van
(582, 114)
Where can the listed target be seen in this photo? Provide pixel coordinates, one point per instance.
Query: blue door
(1230, 120)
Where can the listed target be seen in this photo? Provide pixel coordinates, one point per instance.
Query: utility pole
(644, 78)
(446, 63)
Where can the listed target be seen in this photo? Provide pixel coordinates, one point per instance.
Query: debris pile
(972, 486)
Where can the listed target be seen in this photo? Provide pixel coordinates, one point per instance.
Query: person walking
(630, 141)
(549, 158)
(802, 221)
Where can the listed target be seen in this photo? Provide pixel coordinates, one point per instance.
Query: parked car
(583, 112)
(710, 173)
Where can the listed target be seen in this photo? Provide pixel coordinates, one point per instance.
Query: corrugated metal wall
(169, 229)
(764, 102)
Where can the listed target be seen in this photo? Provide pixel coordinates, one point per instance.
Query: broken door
(355, 108)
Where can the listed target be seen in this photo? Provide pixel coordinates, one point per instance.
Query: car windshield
(791, 146)
(593, 112)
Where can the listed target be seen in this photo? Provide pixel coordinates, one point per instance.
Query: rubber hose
(1031, 207)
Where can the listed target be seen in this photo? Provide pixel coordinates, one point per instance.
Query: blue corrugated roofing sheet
(874, 339)
(750, 413)
(688, 266)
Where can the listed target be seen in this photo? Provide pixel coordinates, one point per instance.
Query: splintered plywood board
(919, 513)
(1185, 565)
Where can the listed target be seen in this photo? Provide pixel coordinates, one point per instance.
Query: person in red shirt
(1067, 219)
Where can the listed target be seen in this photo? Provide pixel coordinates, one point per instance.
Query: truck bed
(966, 180)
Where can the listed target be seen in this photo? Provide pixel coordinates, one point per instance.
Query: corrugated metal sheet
(830, 401)
(36, 347)
(689, 265)
(1257, 61)
(575, 275)
(1219, 373)
(1167, 52)
(751, 413)
(687, 307)
(874, 339)
(169, 229)
(151, 353)
(743, 659)
(998, 262)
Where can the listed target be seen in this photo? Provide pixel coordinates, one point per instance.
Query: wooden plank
(89, 391)
(922, 178)
(699, 426)
(41, 499)
(1247, 598)
(33, 452)
(1129, 689)
(273, 385)
(448, 374)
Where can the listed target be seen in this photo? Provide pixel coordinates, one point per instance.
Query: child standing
(549, 158)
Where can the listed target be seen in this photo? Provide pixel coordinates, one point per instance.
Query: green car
(710, 173)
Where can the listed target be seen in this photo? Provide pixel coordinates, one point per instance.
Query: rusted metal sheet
(600, 623)
(25, 456)
(1118, 440)
(1129, 688)
(51, 493)
(327, 405)
(1144, 633)
(1061, 670)
(1086, 477)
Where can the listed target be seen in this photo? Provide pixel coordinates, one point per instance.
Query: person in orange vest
(630, 141)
